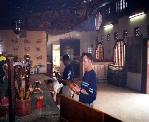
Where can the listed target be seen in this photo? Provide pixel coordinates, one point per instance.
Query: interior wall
(124, 23)
(86, 39)
(32, 43)
(134, 81)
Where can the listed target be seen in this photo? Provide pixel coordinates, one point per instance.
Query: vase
(23, 107)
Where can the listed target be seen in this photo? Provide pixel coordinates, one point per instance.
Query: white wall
(86, 39)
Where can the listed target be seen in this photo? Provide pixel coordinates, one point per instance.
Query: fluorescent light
(137, 16)
(108, 27)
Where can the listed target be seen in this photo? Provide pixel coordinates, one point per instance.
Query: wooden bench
(73, 111)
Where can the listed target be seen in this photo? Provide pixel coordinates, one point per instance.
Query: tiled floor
(124, 104)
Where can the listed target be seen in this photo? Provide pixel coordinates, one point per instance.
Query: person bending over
(68, 74)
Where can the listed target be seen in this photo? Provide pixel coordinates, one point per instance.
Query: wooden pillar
(11, 90)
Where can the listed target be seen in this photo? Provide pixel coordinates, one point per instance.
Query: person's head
(66, 59)
(87, 60)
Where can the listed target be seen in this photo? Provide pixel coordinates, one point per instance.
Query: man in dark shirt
(68, 74)
(88, 86)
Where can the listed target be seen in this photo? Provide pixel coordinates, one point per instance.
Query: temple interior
(35, 35)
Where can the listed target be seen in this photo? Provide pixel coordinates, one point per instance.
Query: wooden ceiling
(46, 14)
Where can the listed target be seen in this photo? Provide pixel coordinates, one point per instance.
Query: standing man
(88, 86)
(68, 74)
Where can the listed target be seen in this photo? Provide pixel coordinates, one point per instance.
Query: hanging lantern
(18, 24)
(98, 20)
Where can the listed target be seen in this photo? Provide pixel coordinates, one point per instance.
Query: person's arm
(69, 75)
(84, 91)
(77, 89)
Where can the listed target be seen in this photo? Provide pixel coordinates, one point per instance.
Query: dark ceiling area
(50, 15)
(45, 14)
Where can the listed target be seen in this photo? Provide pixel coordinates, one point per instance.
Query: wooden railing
(73, 111)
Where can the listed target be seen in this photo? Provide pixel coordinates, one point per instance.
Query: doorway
(72, 48)
(56, 57)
